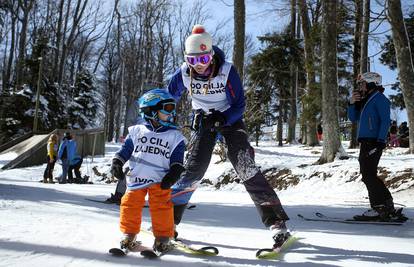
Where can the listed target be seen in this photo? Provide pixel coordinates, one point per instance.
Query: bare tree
(58, 39)
(364, 61)
(26, 7)
(291, 138)
(404, 62)
(111, 65)
(357, 62)
(331, 140)
(12, 10)
(239, 35)
(311, 99)
(68, 42)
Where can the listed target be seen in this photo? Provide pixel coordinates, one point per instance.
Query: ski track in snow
(53, 224)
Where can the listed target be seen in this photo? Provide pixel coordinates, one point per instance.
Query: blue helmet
(158, 100)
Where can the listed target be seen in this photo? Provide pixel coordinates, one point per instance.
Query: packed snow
(54, 224)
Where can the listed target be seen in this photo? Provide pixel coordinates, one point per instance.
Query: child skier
(155, 150)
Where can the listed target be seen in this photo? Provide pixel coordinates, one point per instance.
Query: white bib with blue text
(215, 95)
(150, 160)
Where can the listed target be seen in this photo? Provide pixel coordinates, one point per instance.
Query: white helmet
(370, 77)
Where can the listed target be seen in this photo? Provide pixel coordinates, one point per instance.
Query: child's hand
(172, 176)
(116, 169)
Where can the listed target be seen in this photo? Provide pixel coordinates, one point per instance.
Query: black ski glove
(379, 146)
(116, 169)
(172, 176)
(214, 120)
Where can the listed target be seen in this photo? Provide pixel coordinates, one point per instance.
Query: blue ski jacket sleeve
(126, 150)
(62, 148)
(353, 113)
(177, 156)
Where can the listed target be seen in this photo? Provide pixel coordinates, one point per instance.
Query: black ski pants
(241, 155)
(378, 193)
(48, 174)
(76, 169)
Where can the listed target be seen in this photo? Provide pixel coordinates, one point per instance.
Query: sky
(263, 16)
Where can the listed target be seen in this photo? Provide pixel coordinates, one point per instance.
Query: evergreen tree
(269, 81)
(84, 103)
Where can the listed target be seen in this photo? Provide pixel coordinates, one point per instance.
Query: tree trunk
(280, 123)
(110, 108)
(404, 62)
(364, 67)
(6, 78)
(357, 63)
(78, 13)
(330, 121)
(312, 99)
(26, 8)
(239, 36)
(291, 137)
(58, 40)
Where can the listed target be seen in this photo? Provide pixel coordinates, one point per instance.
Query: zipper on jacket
(370, 123)
(363, 109)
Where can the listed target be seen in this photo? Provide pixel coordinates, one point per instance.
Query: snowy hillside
(53, 225)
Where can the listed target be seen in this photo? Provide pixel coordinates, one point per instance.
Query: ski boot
(175, 232)
(115, 198)
(398, 216)
(280, 233)
(384, 213)
(162, 245)
(129, 242)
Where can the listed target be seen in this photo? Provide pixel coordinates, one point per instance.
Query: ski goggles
(199, 59)
(167, 108)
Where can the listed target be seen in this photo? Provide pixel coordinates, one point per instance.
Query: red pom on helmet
(198, 29)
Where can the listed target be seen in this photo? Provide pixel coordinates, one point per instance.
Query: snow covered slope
(53, 225)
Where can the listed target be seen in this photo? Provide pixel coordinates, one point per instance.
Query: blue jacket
(71, 154)
(177, 156)
(374, 118)
(234, 89)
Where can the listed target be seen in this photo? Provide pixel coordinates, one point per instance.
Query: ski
(153, 254)
(100, 201)
(275, 253)
(206, 251)
(322, 218)
(120, 252)
(320, 215)
(190, 207)
(184, 247)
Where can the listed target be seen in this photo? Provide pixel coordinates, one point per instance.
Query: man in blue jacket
(218, 102)
(371, 109)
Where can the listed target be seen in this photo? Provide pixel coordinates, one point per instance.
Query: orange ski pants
(160, 206)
